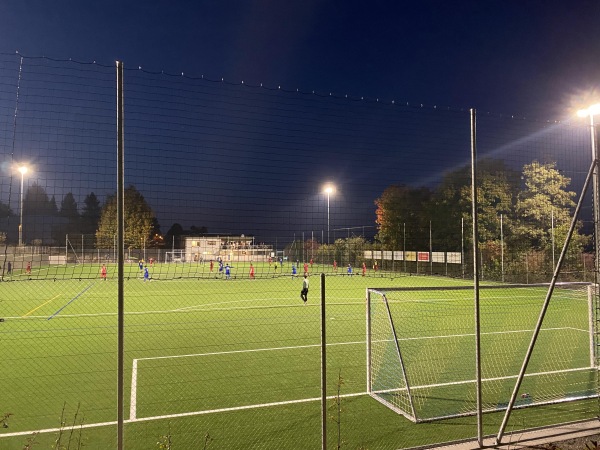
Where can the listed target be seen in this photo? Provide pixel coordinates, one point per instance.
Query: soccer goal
(175, 256)
(421, 348)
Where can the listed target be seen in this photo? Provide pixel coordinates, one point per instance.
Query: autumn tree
(403, 208)
(138, 220)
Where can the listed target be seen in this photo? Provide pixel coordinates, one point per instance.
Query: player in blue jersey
(227, 272)
(146, 274)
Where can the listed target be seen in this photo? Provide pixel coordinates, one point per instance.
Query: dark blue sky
(518, 57)
(529, 59)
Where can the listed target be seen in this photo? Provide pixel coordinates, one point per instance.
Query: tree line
(520, 212)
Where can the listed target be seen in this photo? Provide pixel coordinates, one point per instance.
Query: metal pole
(121, 254)
(328, 218)
(502, 246)
(552, 225)
(462, 245)
(323, 367)
(596, 199)
(476, 277)
(538, 326)
(430, 251)
(21, 211)
(404, 244)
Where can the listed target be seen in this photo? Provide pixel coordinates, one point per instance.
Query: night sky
(515, 57)
(532, 59)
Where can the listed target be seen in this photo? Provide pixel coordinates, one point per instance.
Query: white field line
(133, 400)
(133, 418)
(177, 415)
(179, 310)
(507, 377)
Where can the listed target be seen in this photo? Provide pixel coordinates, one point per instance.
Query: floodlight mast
(23, 170)
(328, 189)
(590, 112)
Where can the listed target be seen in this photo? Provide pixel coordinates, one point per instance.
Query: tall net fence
(225, 213)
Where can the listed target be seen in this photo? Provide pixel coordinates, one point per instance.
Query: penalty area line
(178, 415)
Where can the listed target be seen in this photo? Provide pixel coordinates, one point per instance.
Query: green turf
(240, 359)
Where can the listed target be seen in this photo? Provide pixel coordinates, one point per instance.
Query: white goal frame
(407, 386)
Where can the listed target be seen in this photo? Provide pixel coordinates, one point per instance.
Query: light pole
(23, 171)
(328, 189)
(591, 112)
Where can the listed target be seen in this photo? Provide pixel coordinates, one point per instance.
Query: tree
(68, 208)
(173, 236)
(37, 203)
(138, 220)
(403, 208)
(90, 214)
(5, 210)
(70, 224)
(545, 201)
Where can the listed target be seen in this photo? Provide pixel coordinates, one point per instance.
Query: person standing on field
(304, 291)
(28, 268)
(364, 269)
(251, 271)
(103, 272)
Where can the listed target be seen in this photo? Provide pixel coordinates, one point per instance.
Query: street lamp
(23, 171)
(328, 189)
(591, 112)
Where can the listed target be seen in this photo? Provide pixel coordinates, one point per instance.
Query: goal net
(421, 348)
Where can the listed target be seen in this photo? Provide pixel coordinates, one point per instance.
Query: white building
(227, 248)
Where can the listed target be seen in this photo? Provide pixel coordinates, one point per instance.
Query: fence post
(120, 254)
(323, 367)
(476, 276)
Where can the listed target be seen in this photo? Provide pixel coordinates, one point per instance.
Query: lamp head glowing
(329, 189)
(591, 111)
(23, 170)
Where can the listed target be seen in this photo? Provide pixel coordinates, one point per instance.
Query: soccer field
(237, 362)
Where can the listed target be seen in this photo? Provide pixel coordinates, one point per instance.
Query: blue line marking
(70, 301)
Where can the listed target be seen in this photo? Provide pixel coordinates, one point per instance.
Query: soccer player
(212, 265)
(294, 272)
(349, 270)
(146, 274)
(251, 271)
(28, 268)
(103, 272)
(221, 267)
(305, 269)
(304, 291)
(227, 272)
(141, 265)
(334, 265)
(364, 269)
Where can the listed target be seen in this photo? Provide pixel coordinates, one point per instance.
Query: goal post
(387, 382)
(421, 348)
